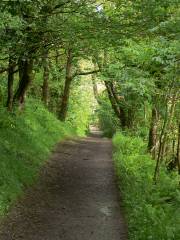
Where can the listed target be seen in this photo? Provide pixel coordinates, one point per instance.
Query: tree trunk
(112, 100)
(130, 118)
(11, 70)
(66, 92)
(178, 150)
(119, 111)
(164, 132)
(25, 79)
(153, 132)
(45, 88)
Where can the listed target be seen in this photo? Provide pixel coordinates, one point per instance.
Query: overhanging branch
(86, 73)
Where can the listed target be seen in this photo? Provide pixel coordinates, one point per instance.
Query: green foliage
(81, 107)
(135, 45)
(26, 140)
(108, 122)
(152, 210)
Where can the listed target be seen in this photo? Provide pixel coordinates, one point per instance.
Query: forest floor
(75, 198)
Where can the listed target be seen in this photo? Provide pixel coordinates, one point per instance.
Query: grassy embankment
(26, 141)
(152, 210)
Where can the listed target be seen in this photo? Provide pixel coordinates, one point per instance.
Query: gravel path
(75, 198)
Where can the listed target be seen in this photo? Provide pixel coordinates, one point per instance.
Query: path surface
(75, 198)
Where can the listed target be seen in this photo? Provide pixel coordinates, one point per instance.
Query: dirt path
(75, 198)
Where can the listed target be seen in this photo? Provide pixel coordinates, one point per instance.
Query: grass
(152, 210)
(26, 140)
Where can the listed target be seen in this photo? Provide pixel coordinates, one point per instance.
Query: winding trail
(74, 199)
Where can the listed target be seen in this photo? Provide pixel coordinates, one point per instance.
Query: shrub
(108, 122)
(152, 210)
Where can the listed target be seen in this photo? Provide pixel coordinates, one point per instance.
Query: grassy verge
(25, 142)
(152, 210)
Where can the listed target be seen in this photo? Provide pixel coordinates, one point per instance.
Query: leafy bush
(26, 140)
(81, 106)
(108, 122)
(152, 210)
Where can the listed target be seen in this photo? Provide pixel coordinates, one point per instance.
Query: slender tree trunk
(10, 84)
(178, 150)
(123, 118)
(153, 132)
(57, 57)
(66, 91)
(145, 115)
(169, 122)
(130, 118)
(164, 132)
(45, 88)
(95, 89)
(25, 79)
(112, 100)
(119, 111)
(159, 158)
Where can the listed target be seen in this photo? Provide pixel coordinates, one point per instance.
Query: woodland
(69, 64)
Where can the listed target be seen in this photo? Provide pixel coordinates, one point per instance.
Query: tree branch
(3, 70)
(85, 73)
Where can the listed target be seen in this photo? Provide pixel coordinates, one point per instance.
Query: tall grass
(152, 210)
(26, 140)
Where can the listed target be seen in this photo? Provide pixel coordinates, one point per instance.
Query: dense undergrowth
(107, 120)
(81, 107)
(152, 210)
(26, 140)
